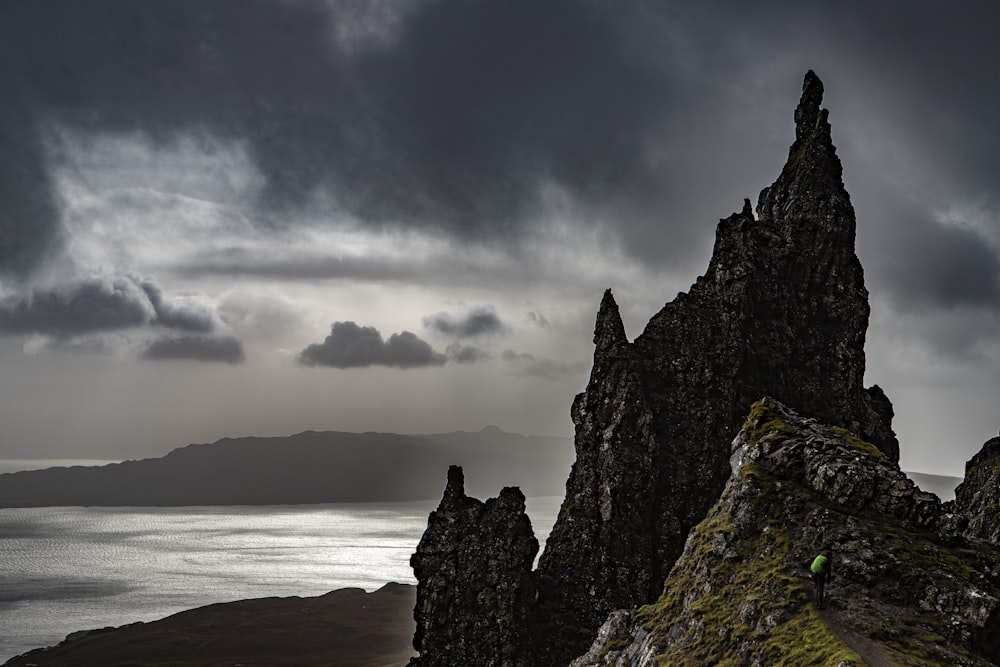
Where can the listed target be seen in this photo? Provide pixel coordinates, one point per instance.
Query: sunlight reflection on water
(64, 569)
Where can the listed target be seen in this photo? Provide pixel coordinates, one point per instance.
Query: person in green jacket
(822, 572)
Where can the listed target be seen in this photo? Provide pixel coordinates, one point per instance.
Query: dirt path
(864, 647)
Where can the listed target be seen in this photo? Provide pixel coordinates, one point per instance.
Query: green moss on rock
(762, 421)
(859, 444)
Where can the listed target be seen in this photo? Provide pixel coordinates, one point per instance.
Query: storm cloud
(94, 305)
(351, 346)
(124, 305)
(451, 120)
(477, 119)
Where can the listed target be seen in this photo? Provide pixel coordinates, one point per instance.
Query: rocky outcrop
(473, 568)
(782, 310)
(978, 497)
(904, 583)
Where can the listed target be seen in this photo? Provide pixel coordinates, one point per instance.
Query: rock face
(782, 310)
(473, 568)
(978, 497)
(907, 589)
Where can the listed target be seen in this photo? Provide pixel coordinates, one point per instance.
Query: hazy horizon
(228, 219)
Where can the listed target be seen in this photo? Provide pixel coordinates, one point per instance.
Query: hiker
(822, 572)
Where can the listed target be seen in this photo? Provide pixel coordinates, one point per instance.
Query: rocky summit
(782, 311)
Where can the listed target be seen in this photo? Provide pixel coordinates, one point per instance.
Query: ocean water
(64, 569)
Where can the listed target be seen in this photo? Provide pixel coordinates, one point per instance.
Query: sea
(66, 569)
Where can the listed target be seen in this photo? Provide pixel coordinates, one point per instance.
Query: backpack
(818, 564)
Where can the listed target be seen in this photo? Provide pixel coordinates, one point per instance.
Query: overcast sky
(223, 218)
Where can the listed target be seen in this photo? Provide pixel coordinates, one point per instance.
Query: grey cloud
(89, 306)
(528, 364)
(226, 349)
(112, 313)
(99, 304)
(474, 322)
(466, 354)
(350, 345)
(187, 315)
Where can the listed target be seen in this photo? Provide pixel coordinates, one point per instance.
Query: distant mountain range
(310, 467)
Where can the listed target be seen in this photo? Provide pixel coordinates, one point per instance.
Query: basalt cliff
(676, 493)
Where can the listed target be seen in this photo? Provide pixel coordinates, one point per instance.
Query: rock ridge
(906, 581)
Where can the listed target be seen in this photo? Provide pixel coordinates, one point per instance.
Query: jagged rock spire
(782, 310)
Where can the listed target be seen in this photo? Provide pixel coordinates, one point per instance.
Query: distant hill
(310, 467)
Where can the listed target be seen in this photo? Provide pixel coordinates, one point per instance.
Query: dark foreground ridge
(781, 311)
(345, 627)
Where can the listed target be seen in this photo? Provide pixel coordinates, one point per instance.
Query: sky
(224, 218)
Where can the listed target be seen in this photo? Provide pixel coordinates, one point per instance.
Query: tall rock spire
(781, 311)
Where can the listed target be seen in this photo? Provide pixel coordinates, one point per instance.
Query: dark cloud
(453, 122)
(90, 306)
(226, 349)
(103, 314)
(474, 322)
(350, 346)
(466, 354)
(99, 304)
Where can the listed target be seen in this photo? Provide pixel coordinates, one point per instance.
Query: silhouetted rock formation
(781, 311)
(905, 589)
(473, 568)
(978, 497)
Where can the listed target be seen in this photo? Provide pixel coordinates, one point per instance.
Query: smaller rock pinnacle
(456, 483)
(609, 330)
